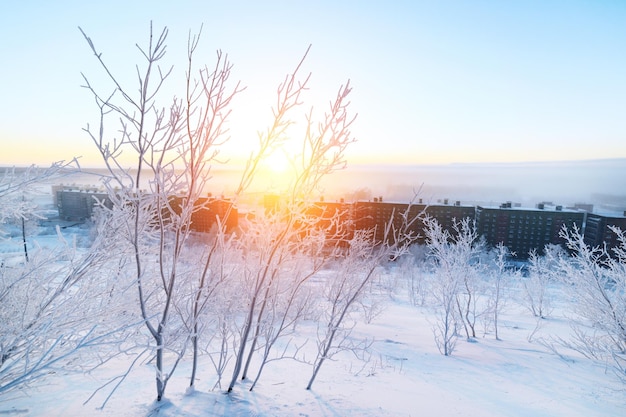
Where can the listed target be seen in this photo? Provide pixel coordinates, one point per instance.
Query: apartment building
(519, 229)
(208, 211)
(522, 230)
(377, 214)
(334, 218)
(447, 215)
(598, 230)
(76, 203)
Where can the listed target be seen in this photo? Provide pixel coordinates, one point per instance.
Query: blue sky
(434, 82)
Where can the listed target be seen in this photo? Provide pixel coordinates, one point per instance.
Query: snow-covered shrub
(596, 282)
(541, 274)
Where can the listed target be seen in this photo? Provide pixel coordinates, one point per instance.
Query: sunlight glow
(278, 162)
(276, 172)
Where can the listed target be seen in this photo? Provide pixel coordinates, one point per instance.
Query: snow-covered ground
(404, 376)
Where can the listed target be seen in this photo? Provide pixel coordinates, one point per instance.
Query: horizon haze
(597, 182)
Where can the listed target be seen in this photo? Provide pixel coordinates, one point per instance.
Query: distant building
(446, 215)
(598, 230)
(212, 209)
(377, 214)
(522, 230)
(78, 203)
(336, 219)
(208, 210)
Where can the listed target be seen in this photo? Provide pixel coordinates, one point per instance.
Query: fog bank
(600, 182)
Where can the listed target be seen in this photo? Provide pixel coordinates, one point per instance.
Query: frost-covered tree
(445, 286)
(275, 273)
(18, 183)
(55, 307)
(541, 273)
(468, 247)
(171, 144)
(597, 284)
(346, 287)
(454, 260)
(51, 301)
(18, 210)
(498, 278)
(412, 268)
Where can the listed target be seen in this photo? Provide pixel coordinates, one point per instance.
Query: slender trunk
(470, 323)
(223, 360)
(495, 323)
(462, 316)
(260, 281)
(495, 309)
(447, 351)
(160, 382)
(24, 234)
(321, 360)
(142, 302)
(468, 308)
(242, 346)
(327, 347)
(24, 239)
(334, 325)
(258, 375)
(194, 343)
(244, 374)
(196, 313)
(257, 331)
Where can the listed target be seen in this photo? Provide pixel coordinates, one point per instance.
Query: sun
(276, 171)
(277, 163)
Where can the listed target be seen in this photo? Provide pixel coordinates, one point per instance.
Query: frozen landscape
(405, 376)
(527, 372)
(215, 239)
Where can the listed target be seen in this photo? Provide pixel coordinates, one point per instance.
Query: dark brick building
(375, 215)
(208, 210)
(79, 203)
(446, 215)
(522, 230)
(598, 230)
(335, 218)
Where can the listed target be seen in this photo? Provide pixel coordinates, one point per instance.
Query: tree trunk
(160, 382)
(194, 366)
(242, 347)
